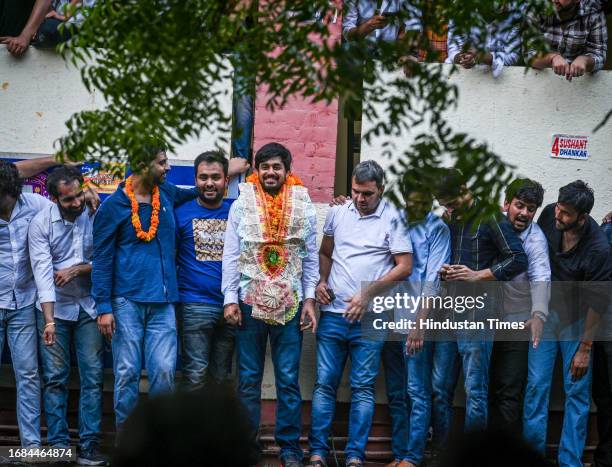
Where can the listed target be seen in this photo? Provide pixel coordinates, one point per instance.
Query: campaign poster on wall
(570, 147)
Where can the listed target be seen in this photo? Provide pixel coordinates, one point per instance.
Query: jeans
(474, 357)
(286, 348)
(537, 393)
(336, 340)
(602, 395)
(508, 375)
(395, 383)
(208, 344)
(50, 34)
(20, 328)
(89, 346)
(244, 117)
(419, 388)
(142, 328)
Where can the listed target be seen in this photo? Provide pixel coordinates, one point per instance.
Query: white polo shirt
(363, 248)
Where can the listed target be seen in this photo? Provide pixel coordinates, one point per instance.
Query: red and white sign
(570, 147)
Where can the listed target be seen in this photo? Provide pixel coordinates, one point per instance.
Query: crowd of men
(247, 271)
(156, 266)
(576, 34)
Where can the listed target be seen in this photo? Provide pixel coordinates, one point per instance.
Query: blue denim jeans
(474, 356)
(19, 326)
(286, 347)
(395, 384)
(207, 344)
(89, 347)
(336, 340)
(419, 368)
(142, 328)
(49, 33)
(444, 375)
(537, 393)
(244, 118)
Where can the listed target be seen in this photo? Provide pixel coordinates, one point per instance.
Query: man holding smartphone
(487, 251)
(379, 20)
(366, 240)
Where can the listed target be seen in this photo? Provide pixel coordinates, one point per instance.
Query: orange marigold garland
(275, 212)
(275, 208)
(140, 234)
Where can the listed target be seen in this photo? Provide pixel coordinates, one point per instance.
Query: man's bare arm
(19, 45)
(237, 166)
(325, 264)
(401, 270)
(31, 167)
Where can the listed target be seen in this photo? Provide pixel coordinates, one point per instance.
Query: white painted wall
(39, 93)
(517, 115)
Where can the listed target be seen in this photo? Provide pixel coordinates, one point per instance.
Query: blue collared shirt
(431, 249)
(123, 265)
(17, 288)
(502, 39)
(359, 11)
(57, 244)
(364, 247)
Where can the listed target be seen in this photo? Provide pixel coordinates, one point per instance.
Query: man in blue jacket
(489, 250)
(134, 280)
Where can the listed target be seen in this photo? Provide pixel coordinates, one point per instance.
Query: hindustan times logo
(412, 303)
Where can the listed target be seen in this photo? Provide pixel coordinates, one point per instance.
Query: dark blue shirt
(493, 244)
(199, 236)
(123, 265)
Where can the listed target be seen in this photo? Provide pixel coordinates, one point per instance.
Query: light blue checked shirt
(502, 39)
(17, 288)
(57, 244)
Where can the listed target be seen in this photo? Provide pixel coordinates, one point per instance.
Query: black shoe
(91, 456)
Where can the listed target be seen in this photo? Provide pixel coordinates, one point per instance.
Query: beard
(159, 179)
(562, 227)
(567, 11)
(71, 212)
(208, 200)
(524, 221)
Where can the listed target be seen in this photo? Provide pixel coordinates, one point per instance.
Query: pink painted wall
(309, 131)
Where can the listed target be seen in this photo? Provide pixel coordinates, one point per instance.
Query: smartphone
(390, 14)
(332, 295)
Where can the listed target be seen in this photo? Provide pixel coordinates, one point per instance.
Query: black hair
(579, 195)
(153, 147)
(180, 428)
(63, 174)
(212, 157)
(10, 182)
(526, 190)
(451, 183)
(369, 171)
(270, 150)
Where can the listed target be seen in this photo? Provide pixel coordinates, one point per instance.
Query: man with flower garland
(270, 271)
(134, 279)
